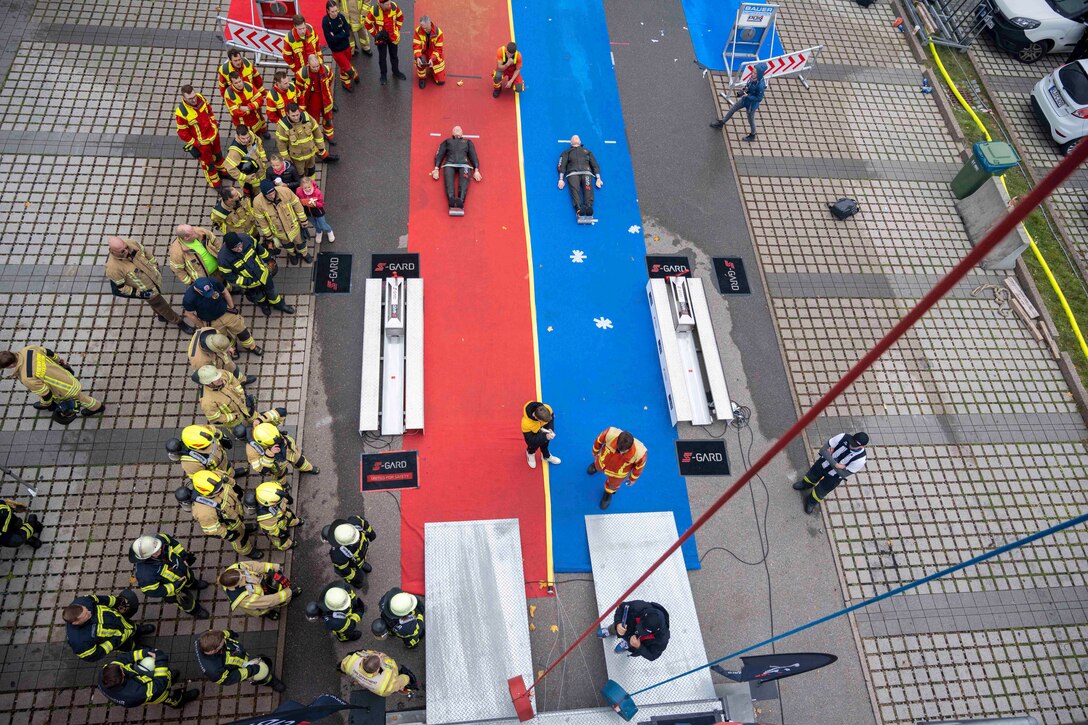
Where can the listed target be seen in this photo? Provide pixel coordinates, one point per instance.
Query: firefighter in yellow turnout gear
(378, 673)
(44, 373)
(217, 507)
(258, 590)
(273, 515)
(280, 217)
(269, 450)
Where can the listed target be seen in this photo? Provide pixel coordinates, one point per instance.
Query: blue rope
(899, 590)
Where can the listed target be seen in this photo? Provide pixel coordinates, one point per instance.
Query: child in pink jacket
(313, 201)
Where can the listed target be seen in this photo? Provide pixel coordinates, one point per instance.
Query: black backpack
(844, 208)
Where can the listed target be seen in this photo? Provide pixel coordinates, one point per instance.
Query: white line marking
(467, 135)
(610, 142)
(436, 134)
(564, 140)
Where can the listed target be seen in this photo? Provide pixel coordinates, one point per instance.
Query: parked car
(1060, 102)
(1029, 29)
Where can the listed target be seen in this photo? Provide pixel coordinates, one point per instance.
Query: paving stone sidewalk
(87, 149)
(975, 437)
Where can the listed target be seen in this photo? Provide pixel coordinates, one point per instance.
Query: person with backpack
(748, 99)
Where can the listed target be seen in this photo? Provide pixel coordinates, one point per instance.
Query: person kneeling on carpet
(643, 629)
(578, 168)
(456, 157)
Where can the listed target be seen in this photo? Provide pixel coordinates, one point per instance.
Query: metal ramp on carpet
(620, 546)
(474, 574)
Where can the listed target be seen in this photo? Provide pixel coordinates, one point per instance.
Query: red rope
(999, 232)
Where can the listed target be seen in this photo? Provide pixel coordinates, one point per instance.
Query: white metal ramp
(620, 547)
(477, 621)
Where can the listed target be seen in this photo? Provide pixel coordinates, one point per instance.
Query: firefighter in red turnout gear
(428, 51)
(199, 131)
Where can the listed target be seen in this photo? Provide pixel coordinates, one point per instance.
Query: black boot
(266, 309)
(422, 82)
(285, 308)
(186, 327)
(718, 124)
(145, 629)
(810, 504)
(800, 485)
(606, 500)
(367, 567)
(591, 469)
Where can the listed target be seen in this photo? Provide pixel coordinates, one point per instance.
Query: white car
(1029, 29)
(1060, 101)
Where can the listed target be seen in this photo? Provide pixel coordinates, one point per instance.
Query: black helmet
(378, 628)
(183, 494)
(174, 445)
(861, 438)
(312, 611)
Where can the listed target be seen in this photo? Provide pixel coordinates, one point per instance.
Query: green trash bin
(990, 158)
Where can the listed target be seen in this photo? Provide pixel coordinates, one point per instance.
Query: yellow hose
(1034, 247)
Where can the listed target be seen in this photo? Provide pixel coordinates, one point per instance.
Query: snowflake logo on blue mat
(603, 323)
(577, 256)
(634, 229)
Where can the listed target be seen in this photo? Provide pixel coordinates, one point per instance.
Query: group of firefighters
(101, 627)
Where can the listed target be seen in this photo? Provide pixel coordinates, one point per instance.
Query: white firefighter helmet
(337, 599)
(146, 665)
(402, 604)
(208, 374)
(263, 672)
(146, 547)
(346, 534)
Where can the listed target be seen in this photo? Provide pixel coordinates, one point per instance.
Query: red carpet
(480, 368)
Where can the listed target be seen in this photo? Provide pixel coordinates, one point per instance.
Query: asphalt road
(690, 205)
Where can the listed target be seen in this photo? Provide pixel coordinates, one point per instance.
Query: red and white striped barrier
(783, 65)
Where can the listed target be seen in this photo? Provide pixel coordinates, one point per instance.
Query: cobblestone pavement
(1010, 82)
(87, 149)
(975, 436)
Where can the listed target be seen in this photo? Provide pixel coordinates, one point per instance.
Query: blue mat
(709, 23)
(598, 355)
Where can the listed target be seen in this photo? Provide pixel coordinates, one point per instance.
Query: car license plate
(1057, 96)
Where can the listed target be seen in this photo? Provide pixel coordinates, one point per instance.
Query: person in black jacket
(643, 629)
(223, 661)
(97, 625)
(578, 168)
(338, 36)
(456, 156)
(142, 677)
(280, 169)
(244, 264)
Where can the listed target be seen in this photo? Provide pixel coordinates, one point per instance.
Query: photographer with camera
(749, 99)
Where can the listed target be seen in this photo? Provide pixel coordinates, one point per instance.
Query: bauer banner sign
(395, 469)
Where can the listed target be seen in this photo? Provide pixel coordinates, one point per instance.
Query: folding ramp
(620, 547)
(477, 621)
